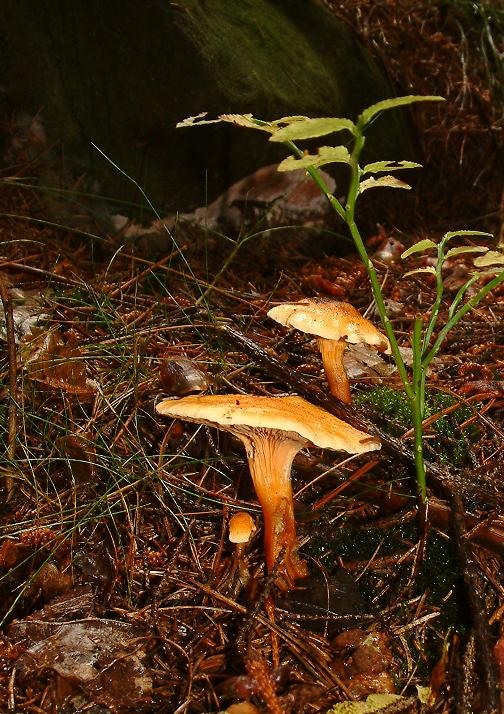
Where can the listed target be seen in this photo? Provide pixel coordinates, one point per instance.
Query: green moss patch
(444, 436)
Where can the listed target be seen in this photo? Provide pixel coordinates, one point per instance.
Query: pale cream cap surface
(331, 320)
(289, 414)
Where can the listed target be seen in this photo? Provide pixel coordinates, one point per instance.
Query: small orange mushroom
(241, 528)
(273, 430)
(334, 324)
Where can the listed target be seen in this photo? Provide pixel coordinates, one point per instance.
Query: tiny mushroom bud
(241, 527)
(334, 324)
(273, 430)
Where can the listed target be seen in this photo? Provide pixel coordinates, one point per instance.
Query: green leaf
(455, 234)
(246, 120)
(493, 257)
(386, 181)
(196, 120)
(422, 245)
(495, 270)
(430, 269)
(375, 109)
(466, 249)
(325, 155)
(284, 121)
(380, 166)
(311, 128)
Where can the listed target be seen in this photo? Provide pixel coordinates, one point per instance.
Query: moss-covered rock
(121, 74)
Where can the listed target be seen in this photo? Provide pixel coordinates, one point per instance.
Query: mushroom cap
(331, 320)
(241, 527)
(300, 419)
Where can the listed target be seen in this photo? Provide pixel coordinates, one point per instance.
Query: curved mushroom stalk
(270, 455)
(332, 359)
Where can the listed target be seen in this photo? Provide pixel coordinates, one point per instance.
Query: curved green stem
(417, 405)
(415, 390)
(460, 294)
(380, 306)
(437, 303)
(316, 176)
(470, 305)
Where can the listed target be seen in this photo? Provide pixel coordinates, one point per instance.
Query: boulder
(121, 74)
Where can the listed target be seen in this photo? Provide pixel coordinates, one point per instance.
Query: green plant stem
(437, 303)
(415, 391)
(316, 176)
(460, 294)
(470, 305)
(417, 405)
(380, 305)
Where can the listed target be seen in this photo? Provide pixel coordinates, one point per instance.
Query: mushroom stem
(332, 359)
(270, 455)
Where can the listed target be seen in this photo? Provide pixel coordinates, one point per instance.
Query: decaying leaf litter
(118, 520)
(115, 539)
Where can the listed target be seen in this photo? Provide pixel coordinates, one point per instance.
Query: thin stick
(12, 360)
(342, 486)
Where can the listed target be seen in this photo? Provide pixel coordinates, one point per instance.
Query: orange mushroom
(241, 528)
(273, 430)
(334, 324)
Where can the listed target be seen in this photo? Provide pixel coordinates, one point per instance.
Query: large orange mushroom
(273, 430)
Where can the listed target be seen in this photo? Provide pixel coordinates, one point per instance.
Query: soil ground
(120, 590)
